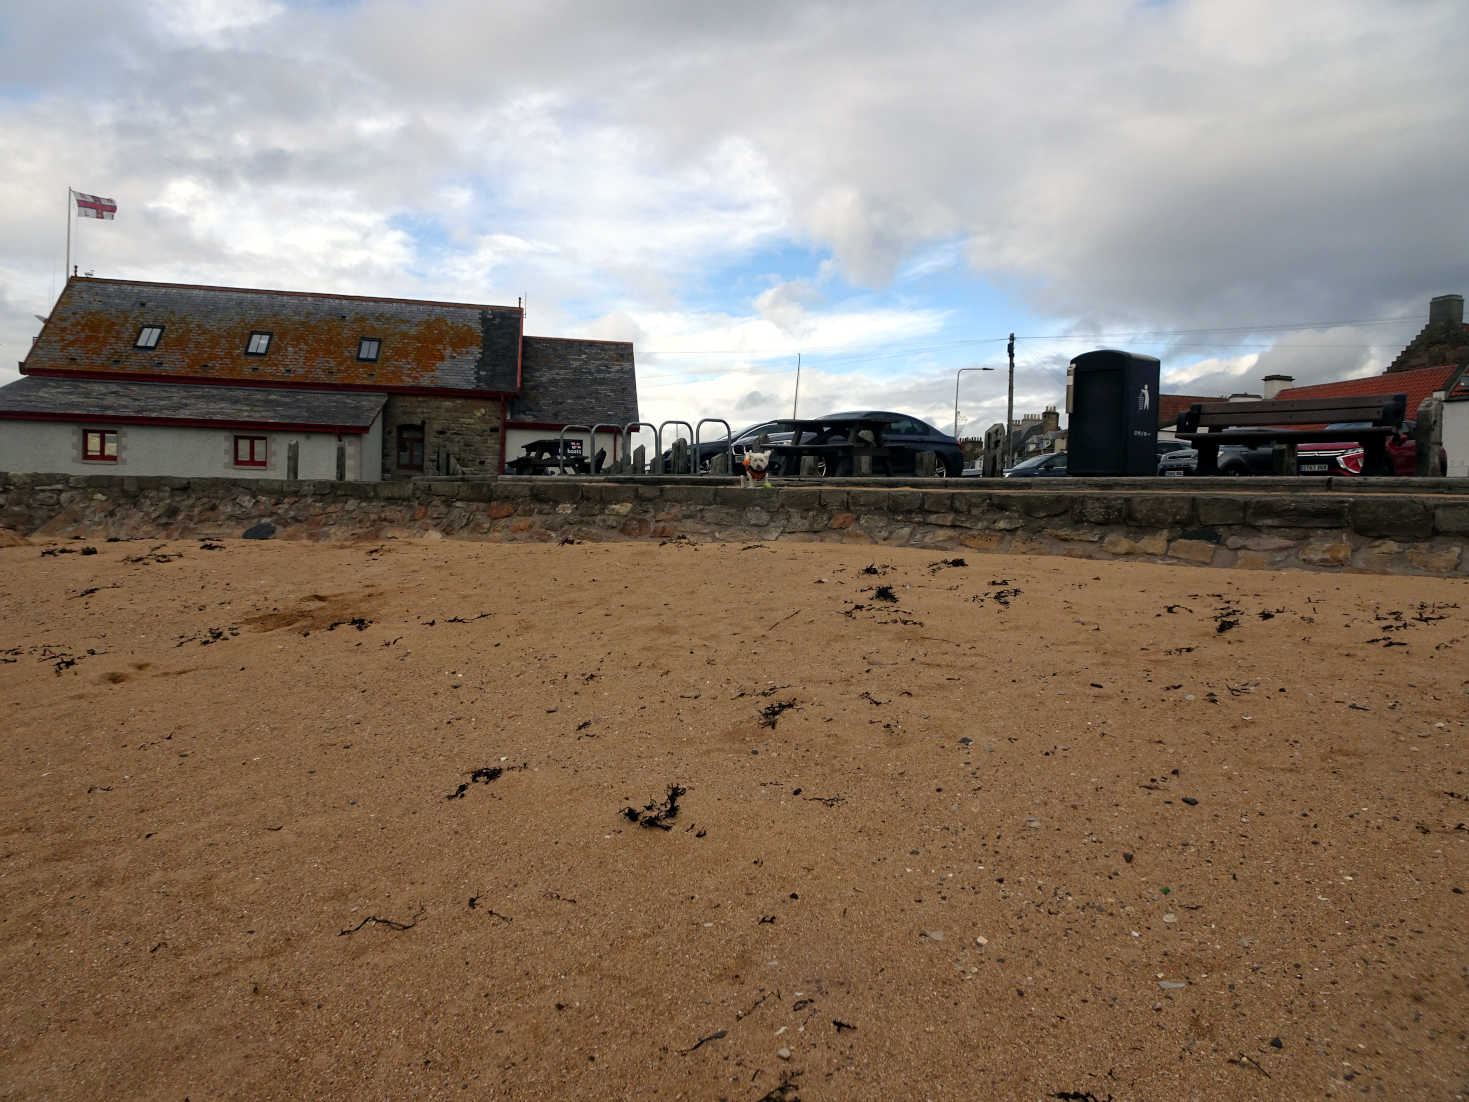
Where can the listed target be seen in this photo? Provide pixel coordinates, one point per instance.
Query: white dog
(756, 465)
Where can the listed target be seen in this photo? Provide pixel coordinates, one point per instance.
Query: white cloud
(1174, 166)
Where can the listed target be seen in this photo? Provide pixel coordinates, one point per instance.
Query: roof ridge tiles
(300, 294)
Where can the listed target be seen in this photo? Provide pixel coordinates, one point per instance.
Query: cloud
(755, 400)
(1099, 163)
(785, 306)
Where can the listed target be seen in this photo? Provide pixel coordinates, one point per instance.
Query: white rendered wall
(1456, 437)
(516, 439)
(56, 447)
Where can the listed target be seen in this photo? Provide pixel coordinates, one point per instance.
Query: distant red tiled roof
(1171, 405)
(1417, 385)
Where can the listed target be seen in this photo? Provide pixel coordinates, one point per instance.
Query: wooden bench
(1254, 423)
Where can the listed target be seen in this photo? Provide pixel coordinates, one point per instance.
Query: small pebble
(783, 1053)
(1276, 1042)
(934, 935)
(1191, 801)
(1171, 985)
(1170, 917)
(981, 941)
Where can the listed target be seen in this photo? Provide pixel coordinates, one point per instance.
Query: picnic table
(544, 457)
(834, 444)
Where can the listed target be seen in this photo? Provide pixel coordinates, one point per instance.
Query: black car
(906, 436)
(1049, 465)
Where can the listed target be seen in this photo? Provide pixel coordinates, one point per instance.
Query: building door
(410, 447)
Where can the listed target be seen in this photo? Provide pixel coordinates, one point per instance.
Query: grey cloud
(756, 400)
(1177, 165)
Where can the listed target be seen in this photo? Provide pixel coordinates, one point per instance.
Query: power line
(1137, 334)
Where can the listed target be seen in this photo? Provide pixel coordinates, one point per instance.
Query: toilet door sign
(1143, 398)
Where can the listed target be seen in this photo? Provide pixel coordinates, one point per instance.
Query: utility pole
(795, 401)
(1010, 400)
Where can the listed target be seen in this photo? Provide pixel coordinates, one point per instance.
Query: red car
(1346, 458)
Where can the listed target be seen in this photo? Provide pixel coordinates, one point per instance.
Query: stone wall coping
(1378, 525)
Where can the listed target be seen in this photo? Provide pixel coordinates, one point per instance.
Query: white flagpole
(66, 274)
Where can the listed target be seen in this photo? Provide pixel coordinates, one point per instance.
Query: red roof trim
(295, 294)
(271, 384)
(180, 422)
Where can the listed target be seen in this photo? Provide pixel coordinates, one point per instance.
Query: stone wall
(1401, 526)
(468, 429)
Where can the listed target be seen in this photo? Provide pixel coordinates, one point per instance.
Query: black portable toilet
(1113, 428)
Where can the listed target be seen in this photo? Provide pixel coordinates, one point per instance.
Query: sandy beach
(439, 819)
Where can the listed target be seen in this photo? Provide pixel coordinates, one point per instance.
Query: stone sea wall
(1399, 526)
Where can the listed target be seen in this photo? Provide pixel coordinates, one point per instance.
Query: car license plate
(1314, 467)
(1172, 474)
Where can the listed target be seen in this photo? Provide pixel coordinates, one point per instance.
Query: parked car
(1234, 460)
(906, 436)
(1049, 465)
(1167, 447)
(1344, 458)
(1347, 457)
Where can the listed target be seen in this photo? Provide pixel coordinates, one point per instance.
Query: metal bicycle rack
(627, 431)
(600, 425)
(561, 444)
(663, 426)
(728, 440)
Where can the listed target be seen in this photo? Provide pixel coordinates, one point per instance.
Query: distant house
(1435, 362)
(1036, 434)
(181, 379)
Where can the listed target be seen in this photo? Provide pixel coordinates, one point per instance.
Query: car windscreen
(1031, 463)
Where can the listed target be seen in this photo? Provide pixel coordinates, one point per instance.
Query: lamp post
(956, 394)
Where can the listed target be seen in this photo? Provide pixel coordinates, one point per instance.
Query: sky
(884, 191)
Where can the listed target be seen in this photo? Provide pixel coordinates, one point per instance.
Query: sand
(391, 820)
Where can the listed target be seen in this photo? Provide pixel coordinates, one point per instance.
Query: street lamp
(956, 394)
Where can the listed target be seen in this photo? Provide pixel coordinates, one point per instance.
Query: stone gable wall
(1413, 527)
(468, 429)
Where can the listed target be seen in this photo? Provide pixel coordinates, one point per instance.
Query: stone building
(180, 379)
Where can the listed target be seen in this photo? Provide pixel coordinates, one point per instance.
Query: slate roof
(567, 381)
(95, 323)
(1417, 385)
(128, 402)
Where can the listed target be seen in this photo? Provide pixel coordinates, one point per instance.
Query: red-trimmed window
(410, 447)
(250, 451)
(99, 445)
